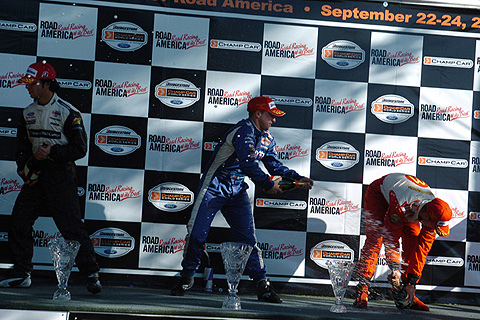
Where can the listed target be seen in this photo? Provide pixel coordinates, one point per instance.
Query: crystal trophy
(235, 256)
(340, 274)
(63, 254)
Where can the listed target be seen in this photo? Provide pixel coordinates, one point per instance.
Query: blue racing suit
(223, 188)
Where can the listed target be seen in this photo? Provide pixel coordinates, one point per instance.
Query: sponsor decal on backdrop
(171, 145)
(222, 97)
(69, 31)
(209, 145)
(155, 244)
(74, 84)
(212, 247)
(279, 252)
(3, 236)
(286, 50)
(442, 113)
(80, 191)
(235, 45)
(177, 93)
(392, 109)
(280, 204)
(332, 207)
(343, 54)
(444, 261)
(395, 59)
(117, 140)
(10, 185)
(442, 162)
(340, 106)
(180, 42)
(184, 41)
(227, 95)
(476, 114)
(102, 192)
(8, 132)
(330, 250)
(382, 159)
(124, 36)
(17, 26)
(458, 213)
(473, 262)
(42, 237)
(475, 164)
(161, 246)
(474, 216)
(447, 62)
(474, 171)
(289, 51)
(112, 242)
(337, 155)
(170, 196)
(289, 151)
(384, 57)
(125, 89)
(445, 113)
(291, 101)
(10, 79)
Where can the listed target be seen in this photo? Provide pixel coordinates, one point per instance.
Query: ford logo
(117, 149)
(176, 101)
(124, 45)
(110, 251)
(343, 63)
(170, 206)
(337, 164)
(392, 117)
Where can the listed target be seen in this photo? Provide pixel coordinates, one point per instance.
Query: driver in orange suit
(400, 205)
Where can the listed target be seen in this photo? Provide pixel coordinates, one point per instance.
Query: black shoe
(93, 283)
(17, 282)
(266, 293)
(182, 285)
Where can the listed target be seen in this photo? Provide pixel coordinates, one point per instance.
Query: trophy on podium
(63, 254)
(235, 256)
(340, 274)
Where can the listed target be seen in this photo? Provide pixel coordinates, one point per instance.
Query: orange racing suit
(388, 201)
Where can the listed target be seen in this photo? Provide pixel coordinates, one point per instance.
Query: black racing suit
(55, 193)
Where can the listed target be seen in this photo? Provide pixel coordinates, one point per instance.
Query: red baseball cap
(264, 103)
(37, 71)
(440, 213)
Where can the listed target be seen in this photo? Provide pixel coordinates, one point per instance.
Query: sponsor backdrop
(369, 88)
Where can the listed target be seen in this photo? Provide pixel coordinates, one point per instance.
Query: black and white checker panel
(157, 87)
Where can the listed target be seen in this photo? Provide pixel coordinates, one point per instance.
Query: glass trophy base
(62, 295)
(338, 308)
(232, 302)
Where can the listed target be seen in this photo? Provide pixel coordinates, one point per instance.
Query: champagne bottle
(32, 168)
(287, 183)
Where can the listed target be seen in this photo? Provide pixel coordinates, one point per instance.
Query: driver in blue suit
(223, 188)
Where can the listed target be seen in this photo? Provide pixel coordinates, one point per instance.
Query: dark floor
(117, 302)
